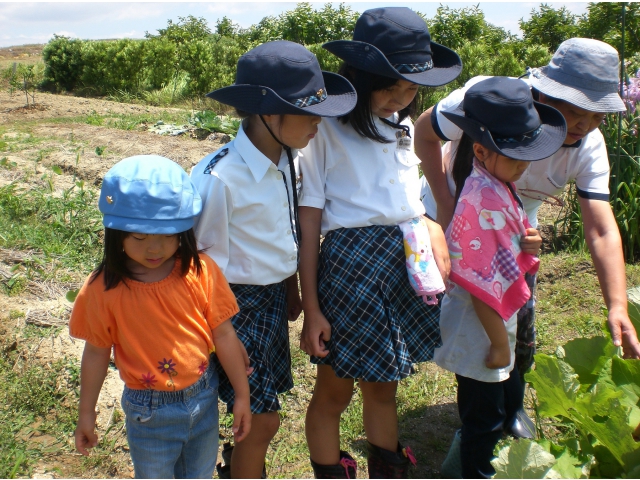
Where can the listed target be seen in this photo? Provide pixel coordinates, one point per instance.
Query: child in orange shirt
(163, 309)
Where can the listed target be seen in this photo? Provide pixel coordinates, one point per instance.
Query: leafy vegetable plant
(591, 395)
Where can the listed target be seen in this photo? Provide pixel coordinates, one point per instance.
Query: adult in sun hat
(492, 247)
(581, 81)
(248, 223)
(162, 308)
(363, 320)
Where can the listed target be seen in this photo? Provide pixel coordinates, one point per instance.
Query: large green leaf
(587, 356)
(570, 466)
(523, 459)
(556, 385)
(634, 306)
(626, 375)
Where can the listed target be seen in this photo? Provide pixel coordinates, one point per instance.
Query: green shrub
(63, 63)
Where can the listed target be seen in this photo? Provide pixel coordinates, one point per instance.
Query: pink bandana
(484, 244)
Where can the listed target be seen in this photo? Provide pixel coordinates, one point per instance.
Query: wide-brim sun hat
(148, 194)
(500, 114)
(395, 42)
(283, 77)
(583, 72)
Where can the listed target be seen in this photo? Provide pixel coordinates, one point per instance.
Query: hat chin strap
(295, 223)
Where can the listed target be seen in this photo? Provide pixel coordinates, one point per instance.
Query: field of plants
(71, 109)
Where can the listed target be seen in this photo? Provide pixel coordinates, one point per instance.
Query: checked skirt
(379, 326)
(262, 326)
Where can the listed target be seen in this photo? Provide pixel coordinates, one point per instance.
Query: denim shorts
(173, 434)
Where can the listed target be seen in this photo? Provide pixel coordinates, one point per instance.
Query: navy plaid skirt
(379, 326)
(262, 326)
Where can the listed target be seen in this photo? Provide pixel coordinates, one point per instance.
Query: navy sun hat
(283, 77)
(395, 42)
(583, 72)
(148, 194)
(500, 114)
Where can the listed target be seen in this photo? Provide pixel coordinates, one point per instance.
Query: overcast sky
(24, 23)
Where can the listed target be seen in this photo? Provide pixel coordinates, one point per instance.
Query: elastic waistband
(368, 231)
(159, 397)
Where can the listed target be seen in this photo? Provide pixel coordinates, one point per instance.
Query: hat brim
(257, 99)
(149, 227)
(543, 145)
(365, 56)
(591, 100)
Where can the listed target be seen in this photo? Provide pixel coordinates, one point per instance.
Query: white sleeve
(592, 177)
(446, 127)
(312, 168)
(212, 225)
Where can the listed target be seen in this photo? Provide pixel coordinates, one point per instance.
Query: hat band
(413, 67)
(521, 138)
(319, 97)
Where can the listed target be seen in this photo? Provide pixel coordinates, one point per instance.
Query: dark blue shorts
(262, 326)
(379, 326)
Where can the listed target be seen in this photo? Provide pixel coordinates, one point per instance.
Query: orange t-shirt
(161, 331)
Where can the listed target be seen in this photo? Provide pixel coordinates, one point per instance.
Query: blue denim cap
(282, 77)
(583, 72)
(395, 42)
(148, 194)
(500, 114)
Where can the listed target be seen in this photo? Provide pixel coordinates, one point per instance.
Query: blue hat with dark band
(500, 114)
(395, 42)
(148, 194)
(284, 77)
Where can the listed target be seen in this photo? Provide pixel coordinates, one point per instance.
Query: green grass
(122, 121)
(65, 227)
(36, 400)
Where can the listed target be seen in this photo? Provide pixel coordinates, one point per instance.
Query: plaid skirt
(379, 326)
(262, 326)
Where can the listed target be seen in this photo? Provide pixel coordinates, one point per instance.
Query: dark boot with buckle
(387, 464)
(346, 468)
(224, 470)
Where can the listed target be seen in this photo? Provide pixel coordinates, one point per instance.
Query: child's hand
(440, 249)
(531, 242)
(316, 330)
(294, 305)
(85, 433)
(245, 357)
(241, 419)
(499, 356)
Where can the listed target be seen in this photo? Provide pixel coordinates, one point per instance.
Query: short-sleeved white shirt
(358, 182)
(245, 224)
(587, 164)
(465, 344)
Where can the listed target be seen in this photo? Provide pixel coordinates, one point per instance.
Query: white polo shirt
(245, 221)
(587, 164)
(358, 182)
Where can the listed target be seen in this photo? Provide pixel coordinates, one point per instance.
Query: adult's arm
(604, 242)
(427, 145)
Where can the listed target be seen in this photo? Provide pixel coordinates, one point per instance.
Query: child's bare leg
(331, 396)
(247, 459)
(380, 413)
(500, 351)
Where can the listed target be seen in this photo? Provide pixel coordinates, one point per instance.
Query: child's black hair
(462, 163)
(361, 118)
(114, 260)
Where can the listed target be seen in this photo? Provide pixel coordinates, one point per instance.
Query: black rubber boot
(522, 426)
(224, 471)
(346, 468)
(387, 464)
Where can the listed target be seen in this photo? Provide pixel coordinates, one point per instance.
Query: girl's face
(580, 122)
(503, 168)
(295, 131)
(149, 252)
(388, 101)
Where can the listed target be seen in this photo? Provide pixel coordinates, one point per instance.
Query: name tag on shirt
(403, 142)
